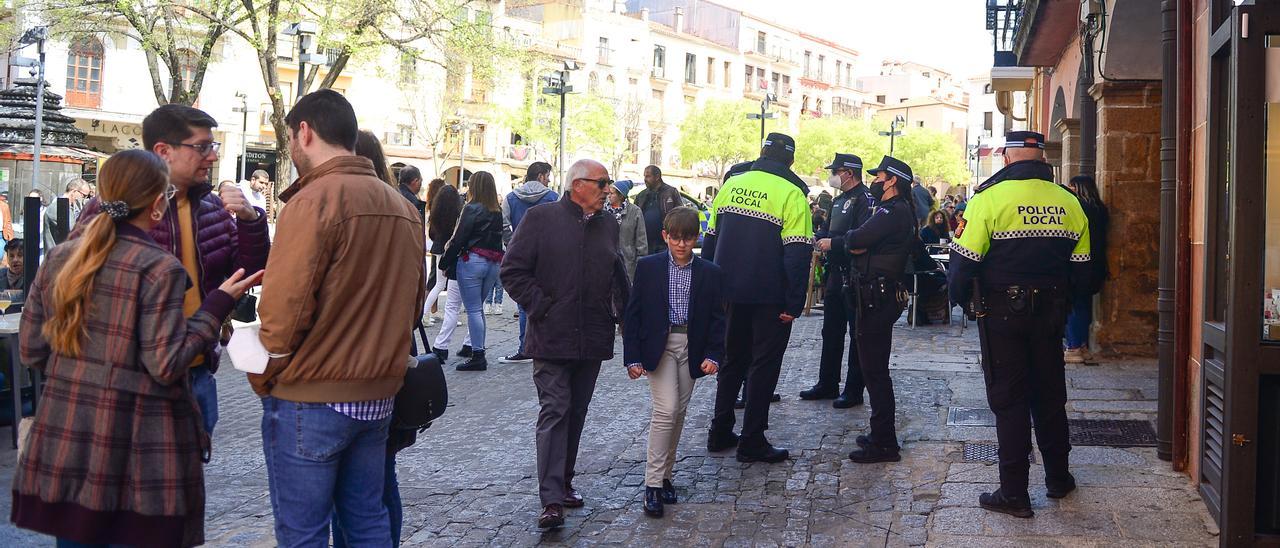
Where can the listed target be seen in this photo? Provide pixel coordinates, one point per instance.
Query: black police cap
(779, 146)
(1023, 139)
(894, 167)
(846, 161)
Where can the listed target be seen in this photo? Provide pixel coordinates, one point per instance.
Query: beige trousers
(671, 386)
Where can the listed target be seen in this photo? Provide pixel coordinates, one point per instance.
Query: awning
(47, 152)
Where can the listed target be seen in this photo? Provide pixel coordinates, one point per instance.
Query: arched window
(610, 87)
(84, 73)
(593, 83)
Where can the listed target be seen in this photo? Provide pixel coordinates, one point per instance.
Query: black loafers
(653, 502)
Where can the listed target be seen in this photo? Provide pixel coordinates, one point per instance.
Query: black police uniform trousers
(875, 341)
(838, 319)
(1025, 378)
(754, 345)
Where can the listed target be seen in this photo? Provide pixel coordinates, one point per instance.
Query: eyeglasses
(170, 192)
(601, 182)
(203, 148)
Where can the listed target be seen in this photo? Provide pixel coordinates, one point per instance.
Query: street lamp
(558, 84)
(305, 32)
(897, 122)
(461, 126)
(764, 113)
(37, 36)
(243, 109)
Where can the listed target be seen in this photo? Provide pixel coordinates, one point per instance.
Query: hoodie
(523, 197)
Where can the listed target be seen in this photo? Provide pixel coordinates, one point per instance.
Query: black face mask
(877, 190)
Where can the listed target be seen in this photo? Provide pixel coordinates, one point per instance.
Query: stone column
(1070, 130)
(1128, 176)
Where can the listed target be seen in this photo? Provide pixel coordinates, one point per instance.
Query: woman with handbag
(472, 257)
(115, 452)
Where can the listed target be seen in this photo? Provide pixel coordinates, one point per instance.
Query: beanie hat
(623, 187)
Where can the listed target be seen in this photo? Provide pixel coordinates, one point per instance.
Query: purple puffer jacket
(223, 244)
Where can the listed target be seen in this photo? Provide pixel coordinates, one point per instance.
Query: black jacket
(849, 210)
(566, 271)
(889, 237)
(648, 317)
(477, 228)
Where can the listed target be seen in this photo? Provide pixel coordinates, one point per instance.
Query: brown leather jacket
(344, 284)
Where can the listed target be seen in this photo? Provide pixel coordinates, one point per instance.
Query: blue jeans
(1078, 321)
(476, 278)
(524, 319)
(495, 294)
(390, 499)
(319, 460)
(205, 389)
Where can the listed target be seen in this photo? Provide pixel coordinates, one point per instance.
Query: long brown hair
(367, 146)
(135, 177)
(482, 190)
(433, 188)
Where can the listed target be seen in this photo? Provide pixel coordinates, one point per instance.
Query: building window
(880, 99)
(808, 57)
(760, 43)
(838, 64)
(593, 83)
(777, 80)
(408, 68)
(659, 62)
(848, 75)
(610, 87)
(402, 136)
(746, 83)
(655, 148)
(786, 86)
(920, 123)
(822, 59)
(604, 50)
(760, 81)
(804, 103)
(84, 73)
(187, 61)
(986, 120)
(711, 68)
(633, 145)
(476, 137)
(690, 68)
(728, 69)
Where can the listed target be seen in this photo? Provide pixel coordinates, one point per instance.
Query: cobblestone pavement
(470, 480)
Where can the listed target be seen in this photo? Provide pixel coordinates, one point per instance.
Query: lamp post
(558, 84)
(243, 109)
(305, 32)
(461, 126)
(764, 114)
(37, 36)
(897, 122)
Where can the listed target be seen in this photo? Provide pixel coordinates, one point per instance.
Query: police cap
(894, 167)
(780, 147)
(846, 161)
(1023, 139)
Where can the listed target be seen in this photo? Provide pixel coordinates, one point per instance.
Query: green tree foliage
(718, 134)
(591, 124)
(933, 156)
(820, 139)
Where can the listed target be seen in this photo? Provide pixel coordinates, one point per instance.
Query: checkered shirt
(679, 283)
(369, 410)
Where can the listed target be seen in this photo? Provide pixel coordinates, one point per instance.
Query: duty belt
(1020, 300)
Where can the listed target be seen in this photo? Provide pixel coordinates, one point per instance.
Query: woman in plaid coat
(114, 456)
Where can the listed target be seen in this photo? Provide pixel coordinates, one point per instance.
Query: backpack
(425, 395)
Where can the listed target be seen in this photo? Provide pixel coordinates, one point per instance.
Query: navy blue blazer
(647, 322)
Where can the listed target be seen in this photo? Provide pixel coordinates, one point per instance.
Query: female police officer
(881, 247)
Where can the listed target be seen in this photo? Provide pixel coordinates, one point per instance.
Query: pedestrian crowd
(126, 312)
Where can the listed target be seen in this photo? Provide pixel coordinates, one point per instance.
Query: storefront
(265, 159)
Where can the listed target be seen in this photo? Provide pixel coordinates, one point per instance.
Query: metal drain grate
(981, 451)
(970, 416)
(1112, 433)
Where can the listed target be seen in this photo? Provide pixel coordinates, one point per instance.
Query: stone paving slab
(470, 480)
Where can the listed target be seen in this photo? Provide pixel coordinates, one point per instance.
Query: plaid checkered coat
(115, 454)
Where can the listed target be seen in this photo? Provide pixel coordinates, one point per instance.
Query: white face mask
(834, 181)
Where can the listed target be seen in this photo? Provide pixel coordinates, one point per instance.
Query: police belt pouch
(1017, 300)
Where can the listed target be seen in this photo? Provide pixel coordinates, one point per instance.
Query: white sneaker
(431, 321)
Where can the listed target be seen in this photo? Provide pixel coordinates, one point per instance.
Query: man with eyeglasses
(212, 237)
(563, 267)
(76, 192)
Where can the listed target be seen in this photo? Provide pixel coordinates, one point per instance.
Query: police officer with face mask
(880, 250)
(848, 211)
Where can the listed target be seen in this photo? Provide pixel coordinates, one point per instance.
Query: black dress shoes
(653, 502)
(552, 517)
(874, 453)
(768, 453)
(846, 401)
(1019, 507)
(721, 441)
(668, 492)
(862, 440)
(819, 392)
(572, 498)
(1058, 488)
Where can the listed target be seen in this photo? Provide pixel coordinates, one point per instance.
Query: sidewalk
(470, 479)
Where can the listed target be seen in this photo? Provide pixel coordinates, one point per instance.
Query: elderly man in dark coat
(564, 268)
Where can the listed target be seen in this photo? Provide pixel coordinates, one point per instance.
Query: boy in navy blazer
(673, 333)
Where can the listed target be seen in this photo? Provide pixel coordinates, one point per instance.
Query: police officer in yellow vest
(1019, 254)
(881, 248)
(761, 235)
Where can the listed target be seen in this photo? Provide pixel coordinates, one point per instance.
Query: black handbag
(425, 395)
(246, 310)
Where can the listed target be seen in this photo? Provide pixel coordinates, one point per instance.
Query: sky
(946, 34)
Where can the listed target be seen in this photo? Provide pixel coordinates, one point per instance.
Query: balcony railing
(1003, 20)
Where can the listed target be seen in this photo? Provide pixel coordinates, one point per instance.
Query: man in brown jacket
(345, 284)
(564, 268)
